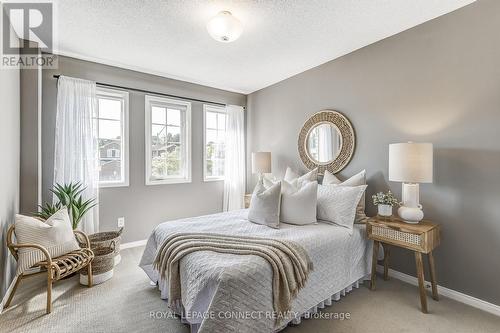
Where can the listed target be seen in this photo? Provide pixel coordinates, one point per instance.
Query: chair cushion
(55, 234)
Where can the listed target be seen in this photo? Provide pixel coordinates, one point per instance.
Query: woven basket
(105, 239)
(102, 265)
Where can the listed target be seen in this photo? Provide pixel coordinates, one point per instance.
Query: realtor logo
(28, 35)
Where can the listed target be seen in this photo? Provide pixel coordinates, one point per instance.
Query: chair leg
(89, 275)
(49, 290)
(11, 296)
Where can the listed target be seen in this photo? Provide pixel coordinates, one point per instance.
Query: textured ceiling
(280, 38)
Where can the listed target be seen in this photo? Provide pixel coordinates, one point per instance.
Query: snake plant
(69, 196)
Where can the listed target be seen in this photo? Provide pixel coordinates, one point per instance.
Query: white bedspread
(232, 293)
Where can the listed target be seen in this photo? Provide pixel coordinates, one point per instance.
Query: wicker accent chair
(56, 268)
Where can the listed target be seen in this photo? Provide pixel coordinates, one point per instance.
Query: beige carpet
(124, 303)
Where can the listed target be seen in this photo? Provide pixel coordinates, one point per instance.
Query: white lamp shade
(261, 162)
(224, 27)
(410, 162)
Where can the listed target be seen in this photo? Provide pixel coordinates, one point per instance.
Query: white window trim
(209, 108)
(120, 94)
(148, 100)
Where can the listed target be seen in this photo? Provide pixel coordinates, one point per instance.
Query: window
(111, 122)
(214, 142)
(168, 141)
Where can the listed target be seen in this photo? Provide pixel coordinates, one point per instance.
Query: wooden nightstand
(248, 197)
(420, 238)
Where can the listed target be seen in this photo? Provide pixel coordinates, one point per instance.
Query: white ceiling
(280, 39)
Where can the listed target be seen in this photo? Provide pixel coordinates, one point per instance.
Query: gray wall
(438, 82)
(9, 166)
(30, 102)
(142, 206)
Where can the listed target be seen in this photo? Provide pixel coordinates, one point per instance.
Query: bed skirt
(306, 315)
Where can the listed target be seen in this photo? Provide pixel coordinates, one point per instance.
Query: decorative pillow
(311, 176)
(356, 180)
(298, 203)
(265, 205)
(337, 204)
(329, 179)
(55, 234)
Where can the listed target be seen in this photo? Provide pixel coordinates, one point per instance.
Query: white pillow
(337, 204)
(329, 178)
(356, 180)
(265, 205)
(298, 203)
(55, 234)
(311, 176)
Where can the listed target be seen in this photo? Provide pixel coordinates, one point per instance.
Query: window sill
(208, 180)
(110, 185)
(167, 181)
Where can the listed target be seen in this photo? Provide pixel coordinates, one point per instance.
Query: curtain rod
(152, 92)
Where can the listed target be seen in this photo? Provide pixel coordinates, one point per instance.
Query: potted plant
(69, 196)
(385, 202)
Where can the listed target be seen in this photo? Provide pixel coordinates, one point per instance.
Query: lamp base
(412, 215)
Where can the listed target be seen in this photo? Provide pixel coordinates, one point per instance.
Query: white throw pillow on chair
(55, 234)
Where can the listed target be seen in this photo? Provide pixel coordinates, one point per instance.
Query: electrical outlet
(121, 222)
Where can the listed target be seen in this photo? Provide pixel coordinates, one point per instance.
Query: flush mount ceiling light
(224, 27)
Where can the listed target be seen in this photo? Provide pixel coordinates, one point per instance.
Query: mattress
(233, 293)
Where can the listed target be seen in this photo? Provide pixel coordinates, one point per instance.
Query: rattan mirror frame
(348, 141)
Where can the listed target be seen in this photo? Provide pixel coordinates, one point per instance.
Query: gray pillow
(265, 205)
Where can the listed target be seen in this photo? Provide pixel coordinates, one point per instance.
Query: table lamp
(261, 163)
(410, 163)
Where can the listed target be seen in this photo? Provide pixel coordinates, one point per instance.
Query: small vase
(384, 210)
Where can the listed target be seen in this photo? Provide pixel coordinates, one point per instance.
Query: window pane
(168, 144)
(174, 117)
(173, 134)
(110, 129)
(211, 119)
(173, 151)
(221, 121)
(158, 115)
(221, 136)
(158, 135)
(158, 164)
(174, 168)
(209, 172)
(110, 170)
(110, 108)
(211, 136)
(215, 136)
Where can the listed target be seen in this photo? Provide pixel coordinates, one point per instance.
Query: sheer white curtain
(327, 144)
(234, 170)
(76, 148)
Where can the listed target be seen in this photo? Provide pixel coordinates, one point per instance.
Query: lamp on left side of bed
(261, 163)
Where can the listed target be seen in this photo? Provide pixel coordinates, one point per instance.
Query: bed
(232, 293)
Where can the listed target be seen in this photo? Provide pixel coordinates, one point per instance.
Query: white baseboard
(446, 292)
(133, 244)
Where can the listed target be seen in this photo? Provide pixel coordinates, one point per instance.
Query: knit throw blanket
(290, 263)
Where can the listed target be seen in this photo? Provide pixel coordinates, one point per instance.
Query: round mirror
(324, 143)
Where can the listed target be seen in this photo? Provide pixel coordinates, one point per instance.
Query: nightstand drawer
(399, 236)
(407, 236)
